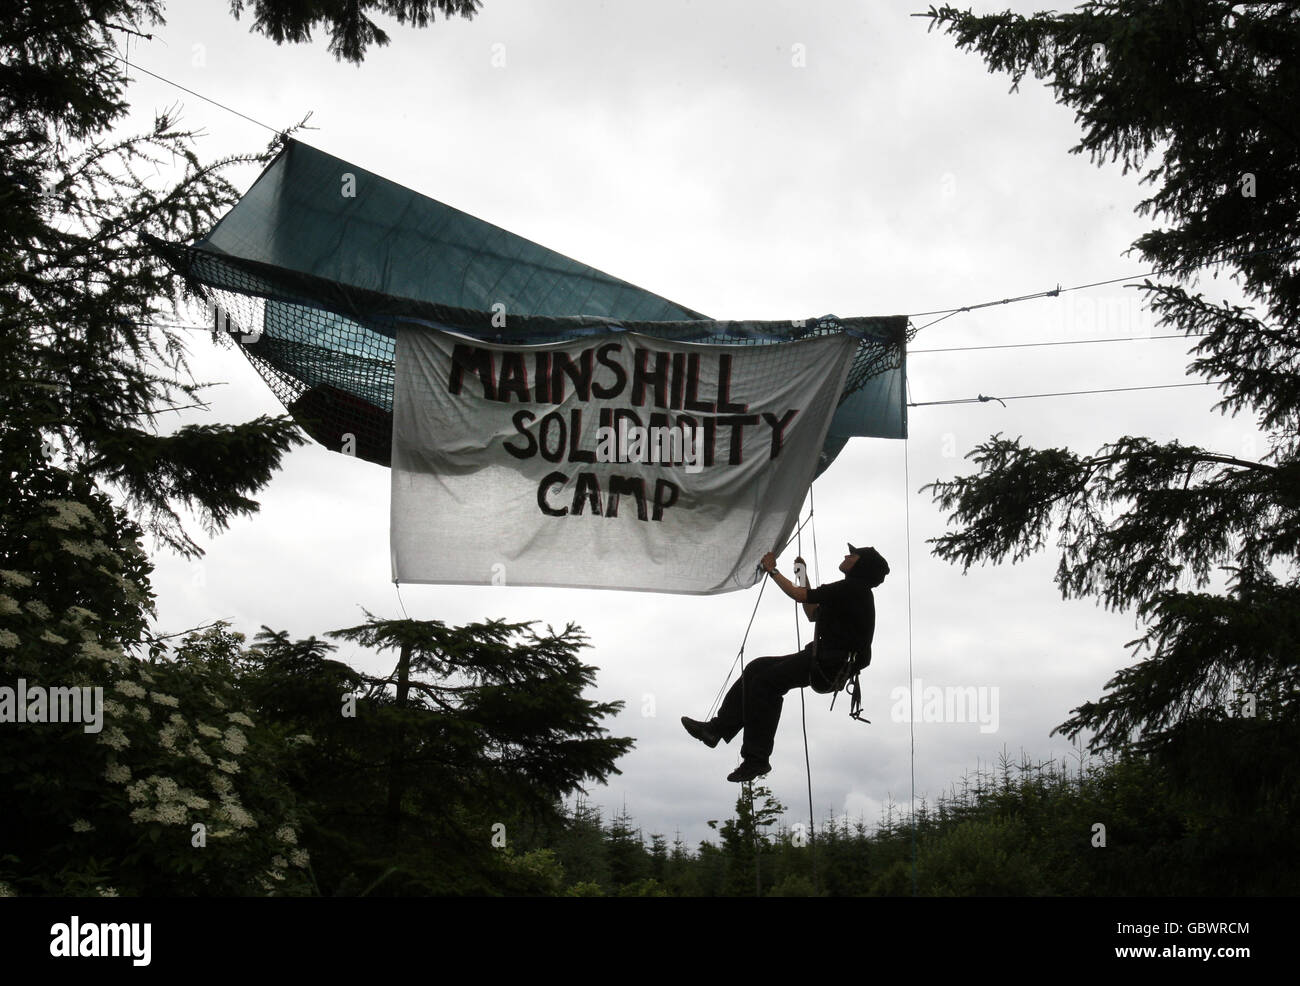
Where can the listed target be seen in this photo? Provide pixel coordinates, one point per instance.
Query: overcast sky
(753, 159)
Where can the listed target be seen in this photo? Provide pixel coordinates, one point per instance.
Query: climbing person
(845, 614)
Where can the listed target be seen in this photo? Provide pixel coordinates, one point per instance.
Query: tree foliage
(1111, 827)
(350, 27)
(90, 362)
(432, 779)
(91, 368)
(1197, 95)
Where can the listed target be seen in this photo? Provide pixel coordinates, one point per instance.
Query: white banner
(613, 461)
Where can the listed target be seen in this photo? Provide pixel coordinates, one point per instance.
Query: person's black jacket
(846, 618)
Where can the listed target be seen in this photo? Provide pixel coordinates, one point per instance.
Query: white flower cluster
(69, 514)
(240, 718)
(172, 802)
(129, 688)
(94, 650)
(10, 577)
(37, 608)
(50, 637)
(176, 727)
(79, 614)
(168, 700)
(302, 739)
(235, 813)
(211, 732)
(172, 814)
(235, 742)
(287, 833)
(81, 825)
(196, 751)
(115, 738)
(9, 639)
(167, 736)
(116, 772)
(169, 814)
(9, 606)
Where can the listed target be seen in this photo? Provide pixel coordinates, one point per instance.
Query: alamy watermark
(101, 940)
(658, 444)
(930, 703)
(40, 704)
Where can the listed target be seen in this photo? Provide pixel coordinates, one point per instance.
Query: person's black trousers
(754, 702)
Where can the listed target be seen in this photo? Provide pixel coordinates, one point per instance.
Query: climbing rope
(740, 656)
(713, 708)
(911, 678)
(803, 710)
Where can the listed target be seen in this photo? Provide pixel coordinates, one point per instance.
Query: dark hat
(871, 567)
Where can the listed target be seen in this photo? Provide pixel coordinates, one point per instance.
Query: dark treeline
(1118, 826)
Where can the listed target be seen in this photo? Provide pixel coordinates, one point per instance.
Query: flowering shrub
(177, 791)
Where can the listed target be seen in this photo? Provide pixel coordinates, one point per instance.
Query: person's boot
(702, 731)
(749, 769)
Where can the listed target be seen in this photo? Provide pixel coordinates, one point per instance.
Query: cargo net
(334, 373)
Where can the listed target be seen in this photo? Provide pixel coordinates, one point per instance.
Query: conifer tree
(1199, 97)
(349, 24)
(90, 364)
